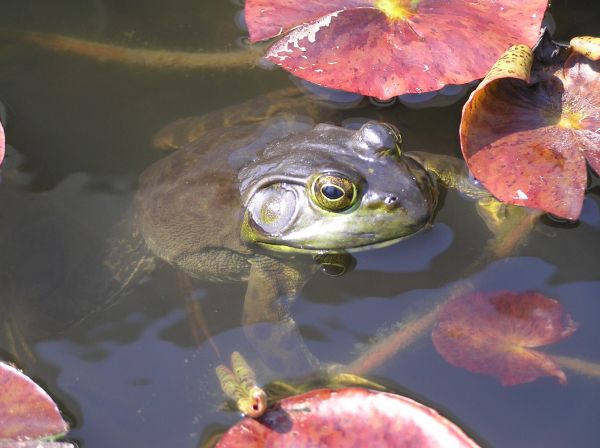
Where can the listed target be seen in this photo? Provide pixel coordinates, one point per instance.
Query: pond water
(141, 372)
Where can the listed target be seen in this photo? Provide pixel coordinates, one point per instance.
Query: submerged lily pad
(347, 417)
(495, 333)
(26, 411)
(384, 48)
(529, 127)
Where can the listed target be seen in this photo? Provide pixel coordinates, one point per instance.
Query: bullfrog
(269, 202)
(267, 198)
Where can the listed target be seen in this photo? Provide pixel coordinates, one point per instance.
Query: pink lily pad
(529, 127)
(347, 417)
(1, 143)
(26, 411)
(384, 48)
(495, 333)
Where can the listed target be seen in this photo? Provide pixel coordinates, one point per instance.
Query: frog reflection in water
(260, 203)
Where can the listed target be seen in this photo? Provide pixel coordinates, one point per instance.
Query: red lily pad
(26, 411)
(347, 417)
(529, 127)
(495, 333)
(384, 48)
(1, 143)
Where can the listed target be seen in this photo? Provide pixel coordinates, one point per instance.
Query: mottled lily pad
(384, 48)
(495, 333)
(529, 127)
(26, 411)
(347, 417)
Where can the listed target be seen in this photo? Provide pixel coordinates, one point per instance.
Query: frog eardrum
(273, 208)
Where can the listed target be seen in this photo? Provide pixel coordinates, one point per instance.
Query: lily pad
(347, 417)
(529, 127)
(1, 143)
(495, 333)
(26, 411)
(384, 48)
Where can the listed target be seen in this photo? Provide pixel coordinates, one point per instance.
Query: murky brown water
(133, 374)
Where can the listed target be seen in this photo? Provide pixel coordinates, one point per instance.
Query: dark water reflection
(134, 374)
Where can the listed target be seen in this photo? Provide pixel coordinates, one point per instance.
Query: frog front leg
(452, 173)
(267, 321)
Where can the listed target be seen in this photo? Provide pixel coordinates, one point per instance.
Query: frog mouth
(363, 242)
(369, 244)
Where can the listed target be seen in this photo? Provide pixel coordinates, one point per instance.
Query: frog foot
(499, 217)
(239, 384)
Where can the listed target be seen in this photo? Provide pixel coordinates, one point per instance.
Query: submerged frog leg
(104, 275)
(451, 173)
(499, 216)
(506, 222)
(268, 324)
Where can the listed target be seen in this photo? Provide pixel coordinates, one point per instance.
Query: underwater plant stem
(397, 341)
(154, 58)
(577, 365)
(196, 321)
(499, 246)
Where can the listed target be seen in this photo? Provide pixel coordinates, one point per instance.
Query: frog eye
(334, 192)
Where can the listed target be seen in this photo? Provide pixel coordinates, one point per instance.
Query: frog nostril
(391, 200)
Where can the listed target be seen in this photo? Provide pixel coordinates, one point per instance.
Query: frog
(268, 197)
(271, 200)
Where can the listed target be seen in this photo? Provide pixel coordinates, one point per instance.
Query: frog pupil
(332, 192)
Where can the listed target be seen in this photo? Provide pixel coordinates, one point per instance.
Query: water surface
(136, 374)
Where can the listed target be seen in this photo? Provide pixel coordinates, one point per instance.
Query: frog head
(331, 188)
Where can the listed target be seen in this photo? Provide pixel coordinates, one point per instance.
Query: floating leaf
(347, 417)
(26, 411)
(494, 333)
(1, 143)
(34, 444)
(384, 48)
(527, 132)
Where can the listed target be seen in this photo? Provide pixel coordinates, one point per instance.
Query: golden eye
(334, 192)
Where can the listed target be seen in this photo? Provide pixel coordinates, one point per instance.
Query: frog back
(189, 207)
